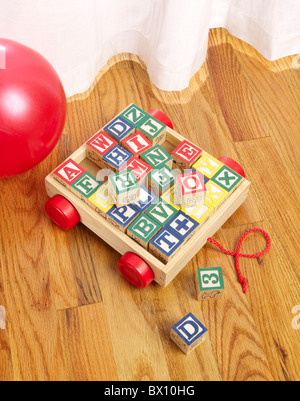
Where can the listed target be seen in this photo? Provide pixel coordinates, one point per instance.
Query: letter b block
(189, 333)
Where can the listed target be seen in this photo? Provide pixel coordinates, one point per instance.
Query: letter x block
(124, 188)
(210, 283)
(190, 189)
(185, 155)
(143, 229)
(188, 333)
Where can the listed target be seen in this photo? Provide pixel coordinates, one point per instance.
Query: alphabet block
(161, 212)
(210, 283)
(154, 130)
(85, 186)
(169, 197)
(199, 213)
(122, 217)
(161, 180)
(68, 173)
(134, 115)
(157, 157)
(146, 200)
(214, 194)
(183, 226)
(190, 189)
(165, 244)
(137, 144)
(186, 154)
(143, 229)
(119, 129)
(227, 178)
(140, 169)
(98, 146)
(116, 158)
(188, 333)
(124, 188)
(101, 201)
(208, 165)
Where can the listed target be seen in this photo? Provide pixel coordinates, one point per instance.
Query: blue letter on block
(117, 156)
(119, 128)
(183, 225)
(123, 215)
(166, 241)
(190, 329)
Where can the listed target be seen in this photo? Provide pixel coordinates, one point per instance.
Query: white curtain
(79, 36)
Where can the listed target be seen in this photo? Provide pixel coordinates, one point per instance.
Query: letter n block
(185, 155)
(210, 283)
(143, 229)
(190, 189)
(98, 146)
(124, 188)
(188, 333)
(157, 158)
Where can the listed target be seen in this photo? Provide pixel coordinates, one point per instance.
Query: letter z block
(98, 146)
(190, 189)
(124, 188)
(188, 333)
(134, 115)
(143, 229)
(185, 155)
(210, 283)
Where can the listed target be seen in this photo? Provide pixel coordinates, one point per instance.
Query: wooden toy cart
(138, 265)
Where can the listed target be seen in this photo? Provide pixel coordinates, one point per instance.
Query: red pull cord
(237, 254)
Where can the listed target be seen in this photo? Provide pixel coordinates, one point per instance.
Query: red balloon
(32, 108)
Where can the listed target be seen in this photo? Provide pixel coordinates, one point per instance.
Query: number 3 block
(210, 283)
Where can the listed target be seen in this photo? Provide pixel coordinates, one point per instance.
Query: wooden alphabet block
(169, 197)
(190, 189)
(185, 155)
(85, 186)
(137, 144)
(134, 115)
(101, 201)
(157, 158)
(124, 188)
(165, 244)
(68, 173)
(140, 169)
(161, 180)
(188, 333)
(98, 146)
(143, 229)
(200, 213)
(209, 283)
(208, 165)
(161, 212)
(183, 226)
(147, 198)
(214, 194)
(116, 158)
(119, 129)
(154, 130)
(122, 217)
(227, 178)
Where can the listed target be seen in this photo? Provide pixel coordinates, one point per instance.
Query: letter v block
(161, 212)
(124, 188)
(68, 173)
(188, 333)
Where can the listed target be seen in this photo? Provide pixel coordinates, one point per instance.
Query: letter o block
(190, 189)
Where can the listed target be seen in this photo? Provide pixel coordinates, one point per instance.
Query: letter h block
(188, 333)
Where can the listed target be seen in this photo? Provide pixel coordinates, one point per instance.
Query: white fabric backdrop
(79, 36)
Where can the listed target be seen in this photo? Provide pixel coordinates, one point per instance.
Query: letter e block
(85, 186)
(160, 181)
(186, 154)
(210, 283)
(189, 333)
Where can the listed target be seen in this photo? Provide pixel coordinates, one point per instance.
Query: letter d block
(124, 188)
(189, 333)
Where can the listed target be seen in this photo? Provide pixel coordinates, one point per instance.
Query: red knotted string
(237, 254)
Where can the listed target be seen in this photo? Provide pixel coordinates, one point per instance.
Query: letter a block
(124, 188)
(68, 173)
(210, 283)
(189, 333)
(190, 189)
(142, 230)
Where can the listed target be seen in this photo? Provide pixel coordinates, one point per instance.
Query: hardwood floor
(69, 313)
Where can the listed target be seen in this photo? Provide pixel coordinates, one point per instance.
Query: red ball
(32, 108)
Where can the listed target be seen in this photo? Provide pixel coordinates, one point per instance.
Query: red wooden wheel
(162, 117)
(62, 213)
(233, 165)
(135, 270)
